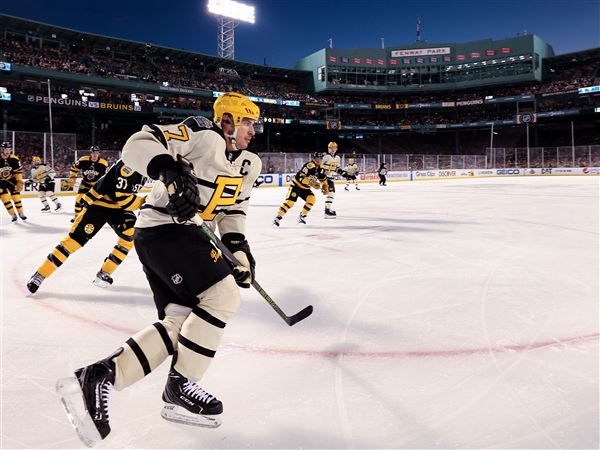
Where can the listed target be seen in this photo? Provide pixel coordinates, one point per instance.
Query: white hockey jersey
(351, 169)
(225, 179)
(43, 173)
(331, 164)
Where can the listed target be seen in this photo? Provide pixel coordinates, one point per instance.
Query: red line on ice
(555, 343)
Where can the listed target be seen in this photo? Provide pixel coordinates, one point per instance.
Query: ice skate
(330, 214)
(46, 209)
(346, 188)
(302, 219)
(187, 403)
(276, 221)
(58, 207)
(357, 188)
(35, 282)
(103, 279)
(23, 217)
(85, 399)
(13, 218)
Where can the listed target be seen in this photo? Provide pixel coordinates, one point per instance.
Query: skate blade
(101, 283)
(330, 217)
(177, 414)
(71, 396)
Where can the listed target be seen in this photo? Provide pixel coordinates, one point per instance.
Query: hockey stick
(290, 320)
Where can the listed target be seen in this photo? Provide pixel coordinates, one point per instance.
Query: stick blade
(299, 316)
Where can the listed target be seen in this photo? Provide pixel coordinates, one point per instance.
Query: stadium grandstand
(485, 103)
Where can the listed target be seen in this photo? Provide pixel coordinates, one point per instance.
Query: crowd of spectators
(147, 66)
(151, 67)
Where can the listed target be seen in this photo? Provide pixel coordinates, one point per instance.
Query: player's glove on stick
(238, 245)
(181, 184)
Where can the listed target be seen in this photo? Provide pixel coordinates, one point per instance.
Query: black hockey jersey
(117, 189)
(91, 171)
(309, 172)
(11, 171)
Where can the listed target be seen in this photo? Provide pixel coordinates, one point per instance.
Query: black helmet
(318, 155)
(6, 144)
(94, 148)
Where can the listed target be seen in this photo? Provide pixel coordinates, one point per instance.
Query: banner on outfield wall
(421, 52)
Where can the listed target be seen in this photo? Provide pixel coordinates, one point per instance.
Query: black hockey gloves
(238, 245)
(181, 184)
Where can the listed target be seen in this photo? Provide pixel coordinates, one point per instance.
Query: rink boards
(284, 179)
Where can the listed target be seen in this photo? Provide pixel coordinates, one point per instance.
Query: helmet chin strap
(232, 137)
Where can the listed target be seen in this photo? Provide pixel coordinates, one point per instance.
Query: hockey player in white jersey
(351, 173)
(331, 164)
(44, 174)
(200, 168)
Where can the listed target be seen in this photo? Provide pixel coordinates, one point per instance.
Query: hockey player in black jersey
(312, 175)
(195, 291)
(111, 201)
(11, 181)
(91, 167)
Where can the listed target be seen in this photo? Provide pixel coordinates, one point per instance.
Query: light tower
(229, 13)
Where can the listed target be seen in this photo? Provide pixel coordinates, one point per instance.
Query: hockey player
(351, 173)
(11, 181)
(92, 167)
(382, 172)
(44, 175)
(312, 175)
(201, 168)
(111, 201)
(331, 164)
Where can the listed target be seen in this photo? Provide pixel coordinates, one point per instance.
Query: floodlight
(232, 9)
(228, 13)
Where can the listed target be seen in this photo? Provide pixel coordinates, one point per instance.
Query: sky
(287, 30)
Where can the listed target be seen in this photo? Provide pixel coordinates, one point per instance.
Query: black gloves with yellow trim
(238, 245)
(181, 183)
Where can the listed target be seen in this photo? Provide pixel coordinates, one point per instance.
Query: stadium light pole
(229, 13)
(492, 133)
(50, 120)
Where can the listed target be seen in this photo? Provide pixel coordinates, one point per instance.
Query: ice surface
(448, 314)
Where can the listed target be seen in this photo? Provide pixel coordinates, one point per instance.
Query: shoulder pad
(13, 156)
(310, 165)
(196, 123)
(126, 171)
(103, 161)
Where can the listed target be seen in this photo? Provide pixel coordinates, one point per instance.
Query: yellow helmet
(332, 145)
(238, 105)
(36, 160)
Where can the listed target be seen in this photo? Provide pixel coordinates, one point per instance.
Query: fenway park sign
(421, 52)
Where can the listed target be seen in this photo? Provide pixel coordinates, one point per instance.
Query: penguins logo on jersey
(5, 171)
(176, 279)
